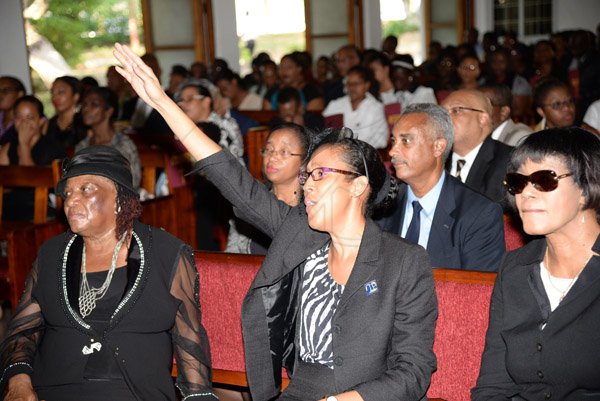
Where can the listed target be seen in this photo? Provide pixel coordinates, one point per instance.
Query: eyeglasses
(283, 153)
(458, 110)
(319, 173)
(559, 105)
(190, 99)
(469, 67)
(542, 180)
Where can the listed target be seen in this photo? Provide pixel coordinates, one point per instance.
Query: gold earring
(582, 218)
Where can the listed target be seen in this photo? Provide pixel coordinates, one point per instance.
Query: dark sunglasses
(543, 180)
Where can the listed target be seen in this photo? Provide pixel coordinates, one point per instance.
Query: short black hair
(302, 134)
(363, 159)
(180, 70)
(15, 82)
(73, 83)
(39, 106)
(502, 95)
(576, 147)
(542, 90)
(288, 94)
(109, 98)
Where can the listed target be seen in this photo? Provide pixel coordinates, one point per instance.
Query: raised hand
(140, 76)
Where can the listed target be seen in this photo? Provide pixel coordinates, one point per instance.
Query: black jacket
(522, 361)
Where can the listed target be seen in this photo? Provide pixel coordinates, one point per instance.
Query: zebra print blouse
(320, 297)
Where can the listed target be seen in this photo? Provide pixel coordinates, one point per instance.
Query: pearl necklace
(89, 295)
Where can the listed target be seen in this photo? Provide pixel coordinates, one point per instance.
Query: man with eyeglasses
(477, 159)
(11, 89)
(459, 228)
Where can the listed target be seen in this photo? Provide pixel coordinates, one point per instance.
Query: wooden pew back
(20, 245)
(253, 142)
(41, 178)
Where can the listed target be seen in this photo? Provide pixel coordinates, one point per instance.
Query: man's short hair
(438, 118)
(501, 94)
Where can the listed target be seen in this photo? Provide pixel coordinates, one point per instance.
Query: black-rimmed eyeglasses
(319, 173)
(458, 110)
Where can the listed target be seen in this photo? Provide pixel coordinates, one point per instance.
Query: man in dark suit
(460, 228)
(477, 160)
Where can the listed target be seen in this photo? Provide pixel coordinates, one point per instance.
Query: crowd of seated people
(497, 91)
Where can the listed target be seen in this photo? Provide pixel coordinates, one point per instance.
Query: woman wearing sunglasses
(543, 340)
(349, 309)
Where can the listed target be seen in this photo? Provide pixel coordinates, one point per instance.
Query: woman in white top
(408, 91)
(362, 112)
(380, 67)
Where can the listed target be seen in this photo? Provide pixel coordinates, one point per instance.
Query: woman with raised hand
(542, 341)
(348, 309)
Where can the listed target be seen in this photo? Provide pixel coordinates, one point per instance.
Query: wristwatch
(331, 398)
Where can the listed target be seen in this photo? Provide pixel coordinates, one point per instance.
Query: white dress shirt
(428, 203)
(469, 158)
(367, 122)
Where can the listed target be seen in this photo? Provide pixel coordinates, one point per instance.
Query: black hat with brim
(99, 160)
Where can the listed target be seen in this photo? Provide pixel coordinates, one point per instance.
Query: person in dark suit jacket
(371, 292)
(460, 228)
(542, 340)
(477, 159)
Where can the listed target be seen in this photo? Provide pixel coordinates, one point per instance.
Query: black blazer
(382, 343)
(488, 170)
(522, 361)
(467, 231)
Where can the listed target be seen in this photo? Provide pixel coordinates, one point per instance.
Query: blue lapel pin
(371, 287)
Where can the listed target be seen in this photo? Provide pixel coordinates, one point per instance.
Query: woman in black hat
(107, 303)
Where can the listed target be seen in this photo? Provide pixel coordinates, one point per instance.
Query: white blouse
(367, 122)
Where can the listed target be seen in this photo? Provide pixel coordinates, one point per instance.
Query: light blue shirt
(428, 203)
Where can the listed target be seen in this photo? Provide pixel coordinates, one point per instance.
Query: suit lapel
(443, 218)
(480, 164)
(293, 253)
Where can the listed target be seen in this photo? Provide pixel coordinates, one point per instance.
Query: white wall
(576, 14)
(226, 40)
(13, 51)
(372, 24)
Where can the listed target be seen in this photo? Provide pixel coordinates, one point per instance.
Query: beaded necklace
(89, 295)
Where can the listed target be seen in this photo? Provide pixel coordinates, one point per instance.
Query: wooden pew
(253, 142)
(20, 243)
(463, 298)
(152, 161)
(262, 116)
(176, 213)
(40, 178)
